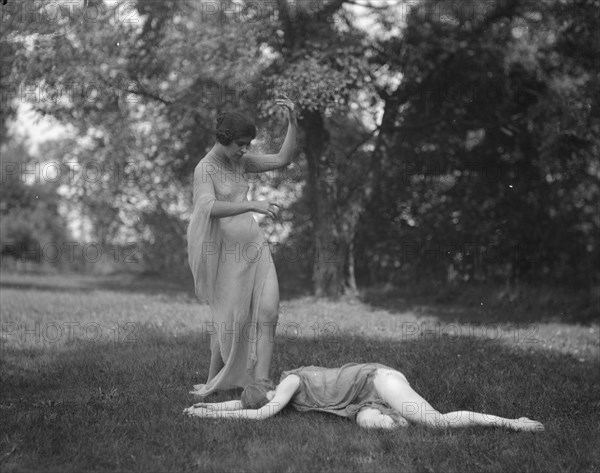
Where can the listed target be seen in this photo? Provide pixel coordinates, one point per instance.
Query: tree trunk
(335, 219)
(331, 238)
(330, 251)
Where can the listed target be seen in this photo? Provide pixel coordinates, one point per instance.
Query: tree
(324, 64)
(33, 229)
(143, 83)
(503, 182)
(150, 78)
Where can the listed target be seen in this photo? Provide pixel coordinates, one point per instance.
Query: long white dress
(229, 259)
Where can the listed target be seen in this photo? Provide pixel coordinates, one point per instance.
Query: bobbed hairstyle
(232, 126)
(254, 395)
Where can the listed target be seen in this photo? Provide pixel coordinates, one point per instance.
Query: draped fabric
(341, 391)
(229, 259)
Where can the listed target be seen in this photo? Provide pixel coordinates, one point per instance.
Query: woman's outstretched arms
(223, 406)
(254, 162)
(223, 209)
(283, 394)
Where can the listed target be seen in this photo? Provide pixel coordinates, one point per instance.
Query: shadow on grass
(118, 406)
(488, 303)
(145, 283)
(121, 282)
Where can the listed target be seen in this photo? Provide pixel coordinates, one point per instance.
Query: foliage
(502, 181)
(32, 226)
(483, 164)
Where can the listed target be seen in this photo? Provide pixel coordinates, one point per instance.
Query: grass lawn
(95, 373)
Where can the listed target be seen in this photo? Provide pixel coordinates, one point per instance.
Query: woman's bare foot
(524, 424)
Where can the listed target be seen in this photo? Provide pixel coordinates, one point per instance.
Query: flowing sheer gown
(341, 391)
(229, 259)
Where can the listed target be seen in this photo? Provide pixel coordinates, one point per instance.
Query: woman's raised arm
(254, 162)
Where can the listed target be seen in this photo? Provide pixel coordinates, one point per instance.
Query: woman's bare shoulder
(291, 381)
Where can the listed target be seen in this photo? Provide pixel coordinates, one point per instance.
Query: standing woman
(229, 256)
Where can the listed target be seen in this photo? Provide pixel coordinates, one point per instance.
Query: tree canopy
(442, 140)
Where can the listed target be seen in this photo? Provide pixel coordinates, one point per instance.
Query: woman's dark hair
(232, 126)
(254, 395)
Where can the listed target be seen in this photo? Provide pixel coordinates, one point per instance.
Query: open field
(95, 374)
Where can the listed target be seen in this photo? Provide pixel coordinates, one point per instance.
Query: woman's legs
(268, 314)
(370, 418)
(393, 389)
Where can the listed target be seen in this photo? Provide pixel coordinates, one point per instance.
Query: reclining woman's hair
(232, 126)
(254, 395)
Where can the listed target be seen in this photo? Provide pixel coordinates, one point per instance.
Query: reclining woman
(374, 395)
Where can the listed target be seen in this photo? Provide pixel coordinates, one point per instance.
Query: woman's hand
(290, 108)
(205, 405)
(267, 208)
(204, 412)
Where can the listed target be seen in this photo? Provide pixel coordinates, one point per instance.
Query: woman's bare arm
(224, 406)
(223, 209)
(204, 186)
(283, 394)
(254, 162)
